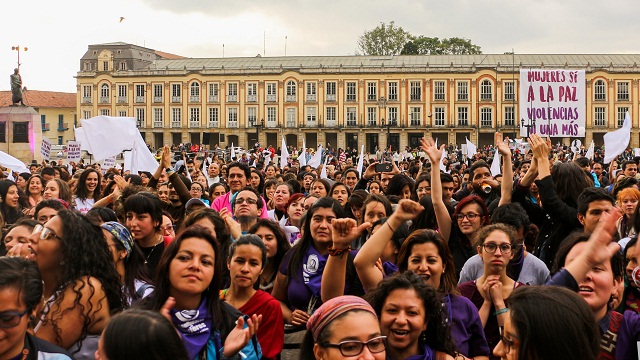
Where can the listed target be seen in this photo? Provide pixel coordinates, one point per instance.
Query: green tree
(422, 45)
(459, 46)
(385, 39)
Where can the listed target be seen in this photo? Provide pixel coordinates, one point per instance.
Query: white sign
(108, 163)
(45, 148)
(73, 151)
(553, 102)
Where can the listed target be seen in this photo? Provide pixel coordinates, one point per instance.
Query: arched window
(600, 90)
(104, 93)
(291, 88)
(195, 90)
(486, 90)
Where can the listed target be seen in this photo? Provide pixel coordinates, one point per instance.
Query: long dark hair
(397, 183)
(438, 333)
(10, 214)
(86, 254)
(569, 180)
(81, 190)
(283, 243)
(300, 249)
(260, 188)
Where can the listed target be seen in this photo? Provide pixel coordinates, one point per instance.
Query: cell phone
(383, 167)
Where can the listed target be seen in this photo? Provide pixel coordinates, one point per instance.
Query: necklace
(151, 252)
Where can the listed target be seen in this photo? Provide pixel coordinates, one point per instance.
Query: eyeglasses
(355, 347)
(469, 216)
(248, 201)
(421, 189)
(9, 319)
(45, 233)
(507, 343)
(492, 247)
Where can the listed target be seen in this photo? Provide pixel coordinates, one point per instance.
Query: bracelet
(393, 231)
(501, 311)
(338, 252)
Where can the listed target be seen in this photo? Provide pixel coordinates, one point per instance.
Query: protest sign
(45, 148)
(73, 151)
(108, 163)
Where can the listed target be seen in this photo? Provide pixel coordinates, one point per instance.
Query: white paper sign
(553, 100)
(73, 151)
(108, 163)
(45, 148)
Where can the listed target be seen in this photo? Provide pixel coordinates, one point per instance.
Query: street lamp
(382, 104)
(257, 125)
(17, 48)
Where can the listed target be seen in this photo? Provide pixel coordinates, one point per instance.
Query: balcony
(252, 98)
(463, 122)
(271, 124)
(157, 124)
(157, 99)
(214, 98)
(232, 98)
(63, 126)
(46, 127)
(140, 99)
(140, 123)
(214, 124)
(104, 99)
(194, 98)
(194, 124)
(291, 124)
(416, 122)
(415, 98)
(232, 124)
(86, 100)
(122, 99)
(331, 97)
(176, 124)
(291, 98)
(372, 123)
(439, 123)
(600, 123)
(272, 98)
(331, 123)
(486, 124)
(311, 124)
(312, 97)
(351, 98)
(176, 99)
(352, 123)
(438, 97)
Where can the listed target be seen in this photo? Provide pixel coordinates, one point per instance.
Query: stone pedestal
(21, 132)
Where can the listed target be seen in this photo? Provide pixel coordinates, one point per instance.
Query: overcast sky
(57, 33)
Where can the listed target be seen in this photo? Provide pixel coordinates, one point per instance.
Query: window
(194, 117)
(272, 116)
(105, 66)
(509, 91)
(214, 89)
(623, 91)
(600, 91)
(311, 91)
(104, 93)
(438, 116)
(463, 116)
(330, 88)
(252, 92)
(158, 118)
(194, 91)
(252, 116)
(86, 94)
(330, 116)
(176, 92)
(43, 122)
(486, 91)
(372, 118)
(622, 113)
(600, 117)
(122, 113)
(486, 117)
(3, 132)
(214, 117)
(291, 90)
(20, 132)
(157, 92)
(462, 90)
(232, 92)
(122, 93)
(86, 114)
(232, 118)
(351, 91)
(438, 91)
(415, 114)
(123, 65)
(372, 91)
(60, 140)
(105, 112)
(272, 91)
(176, 117)
(392, 91)
(86, 66)
(140, 117)
(140, 93)
(352, 116)
(509, 116)
(392, 116)
(292, 118)
(416, 90)
(311, 115)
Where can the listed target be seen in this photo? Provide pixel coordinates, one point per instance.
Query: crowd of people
(258, 258)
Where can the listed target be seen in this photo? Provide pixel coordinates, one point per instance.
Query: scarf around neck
(195, 327)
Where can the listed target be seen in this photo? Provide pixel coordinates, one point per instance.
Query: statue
(16, 87)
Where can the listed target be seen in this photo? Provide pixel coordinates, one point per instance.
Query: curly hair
(438, 334)
(86, 254)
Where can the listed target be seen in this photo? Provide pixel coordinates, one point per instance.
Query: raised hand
(503, 146)
(434, 154)
(407, 210)
(346, 231)
(240, 336)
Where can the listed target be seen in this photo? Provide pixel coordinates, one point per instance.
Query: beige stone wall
(26, 151)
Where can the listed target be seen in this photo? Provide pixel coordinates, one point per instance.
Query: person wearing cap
(344, 327)
(128, 260)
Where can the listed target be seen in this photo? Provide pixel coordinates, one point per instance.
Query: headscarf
(120, 233)
(332, 309)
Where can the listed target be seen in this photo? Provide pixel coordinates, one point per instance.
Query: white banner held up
(555, 100)
(45, 148)
(73, 151)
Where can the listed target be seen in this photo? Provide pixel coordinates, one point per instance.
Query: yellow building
(57, 112)
(343, 101)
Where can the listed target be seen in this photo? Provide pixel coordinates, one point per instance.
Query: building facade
(342, 101)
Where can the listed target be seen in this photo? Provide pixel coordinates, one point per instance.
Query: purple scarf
(312, 267)
(195, 327)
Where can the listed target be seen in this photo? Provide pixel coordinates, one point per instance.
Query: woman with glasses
(565, 329)
(411, 318)
(81, 285)
(197, 192)
(20, 295)
(344, 327)
(492, 290)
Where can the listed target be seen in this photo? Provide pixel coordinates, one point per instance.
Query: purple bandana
(312, 267)
(194, 327)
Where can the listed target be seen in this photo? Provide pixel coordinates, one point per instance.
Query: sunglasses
(45, 233)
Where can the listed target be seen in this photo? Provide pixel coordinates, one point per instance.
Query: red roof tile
(42, 99)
